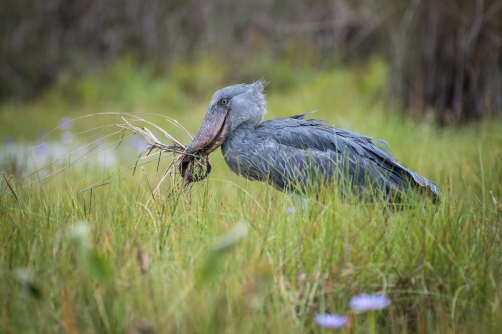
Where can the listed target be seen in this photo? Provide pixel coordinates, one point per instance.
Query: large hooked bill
(212, 133)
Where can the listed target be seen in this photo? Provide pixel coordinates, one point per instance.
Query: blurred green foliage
(130, 83)
(185, 87)
(44, 42)
(445, 58)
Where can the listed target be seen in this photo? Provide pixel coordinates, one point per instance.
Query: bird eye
(224, 102)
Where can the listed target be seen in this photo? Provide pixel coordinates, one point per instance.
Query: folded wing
(292, 148)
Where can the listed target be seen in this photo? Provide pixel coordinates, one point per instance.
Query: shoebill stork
(296, 154)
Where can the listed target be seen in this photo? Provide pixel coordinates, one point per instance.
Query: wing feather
(328, 146)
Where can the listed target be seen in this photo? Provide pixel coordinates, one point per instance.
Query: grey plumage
(295, 154)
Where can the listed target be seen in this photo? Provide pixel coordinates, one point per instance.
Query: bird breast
(241, 151)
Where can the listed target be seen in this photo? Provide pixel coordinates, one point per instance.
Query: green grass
(440, 266)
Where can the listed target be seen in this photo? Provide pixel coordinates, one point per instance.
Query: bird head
(231, 107)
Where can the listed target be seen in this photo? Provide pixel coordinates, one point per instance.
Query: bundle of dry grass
(185, 168)
(192, 168)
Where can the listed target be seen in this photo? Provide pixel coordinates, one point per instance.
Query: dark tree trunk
(447, 64)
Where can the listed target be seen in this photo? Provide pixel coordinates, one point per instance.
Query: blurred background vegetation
(425, 75)
(444, 56)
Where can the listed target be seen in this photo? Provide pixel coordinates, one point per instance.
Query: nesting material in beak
(212, 133)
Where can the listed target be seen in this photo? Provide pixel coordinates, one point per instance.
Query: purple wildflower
(290, 210)
(8, 141)
(137, 143)
(65, 123)
(331, 320)
(42, 149)
(492, 229)
(365, 302)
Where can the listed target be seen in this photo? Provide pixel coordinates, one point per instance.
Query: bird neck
(236, 136)
(245, 126)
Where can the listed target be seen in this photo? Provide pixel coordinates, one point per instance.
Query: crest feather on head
(260, 84)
